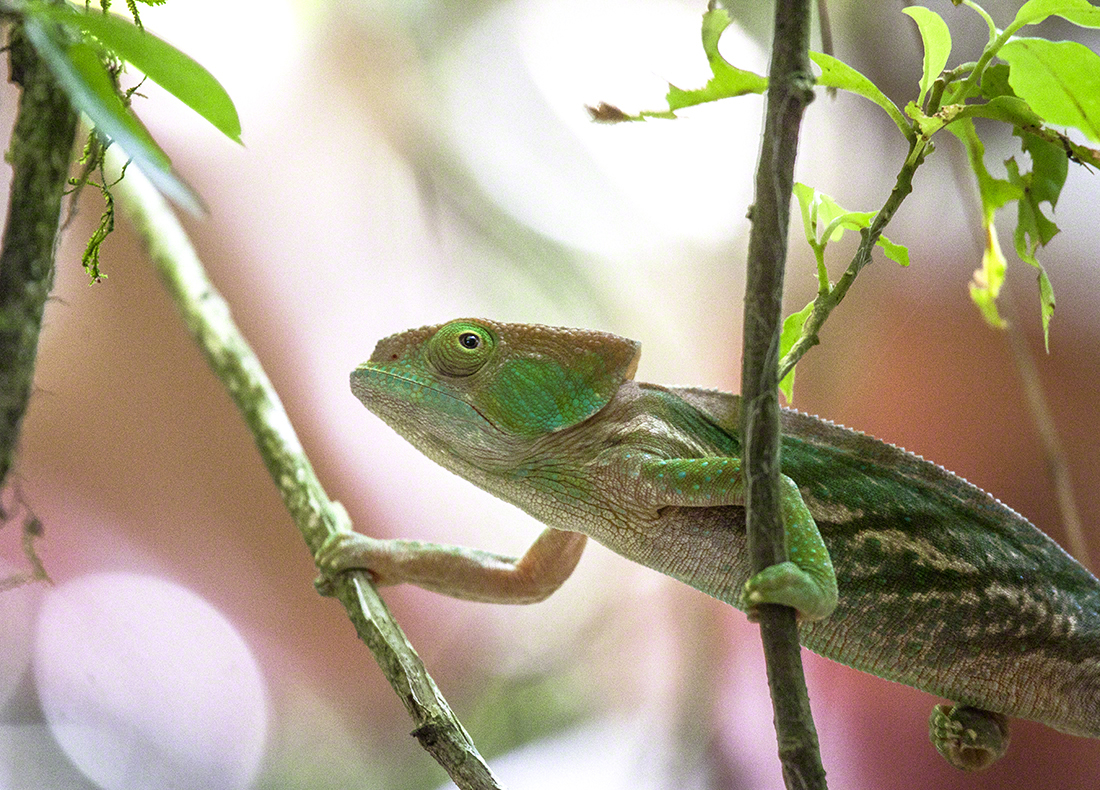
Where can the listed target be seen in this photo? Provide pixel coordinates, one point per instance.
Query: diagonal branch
(232, 361)
(790, 89)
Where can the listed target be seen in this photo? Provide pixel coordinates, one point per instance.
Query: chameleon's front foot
(807, 582)
(344, 551)
(971, 739)
(789, 585)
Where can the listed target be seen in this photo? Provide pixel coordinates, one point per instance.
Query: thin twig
(790, 89)
(1057, 466)
(233, 362)
(826, 301)
(1053, 451)
(825, 25)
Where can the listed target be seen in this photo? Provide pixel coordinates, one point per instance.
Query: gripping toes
(343, 551)
(789, 585)
(970, 739)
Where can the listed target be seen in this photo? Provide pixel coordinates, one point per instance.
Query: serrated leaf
(836, 74)
(1080, 12)
(1049, 168)
(1033, 229)
(937, 45)
(1026, 247)
(1030, 220)
(165, 65)
(728, 80)
(1060, 80)
(82, 76)
(1031, 224)
(792, 330)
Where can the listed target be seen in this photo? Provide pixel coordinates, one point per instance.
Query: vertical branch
(790, 89)
(41, 147)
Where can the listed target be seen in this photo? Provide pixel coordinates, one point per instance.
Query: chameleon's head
(480, 389)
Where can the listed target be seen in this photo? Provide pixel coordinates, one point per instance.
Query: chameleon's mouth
(366, 393)
(365, 372)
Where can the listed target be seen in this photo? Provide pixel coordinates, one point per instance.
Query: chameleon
(897, 567)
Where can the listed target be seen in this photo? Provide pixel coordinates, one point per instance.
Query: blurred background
(411, 161)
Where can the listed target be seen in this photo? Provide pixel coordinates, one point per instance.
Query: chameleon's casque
(937, 584)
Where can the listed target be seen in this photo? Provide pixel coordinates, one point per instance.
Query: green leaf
(994, 192)
(80, 74)
(833, 219)
(1031, 222)
(1046, 302)
(1026, 240)
(1049, 168)
(837, 220)
(792, 330)
(806, 202)
(937, 45)
(898, 253)
(728, 81)
(987, 282)
(1033, 230)
(174, 71)
(1060, 80)
(836, 74)
(1080, 12)
(826, 220)
(1001, 108)
(995, 81)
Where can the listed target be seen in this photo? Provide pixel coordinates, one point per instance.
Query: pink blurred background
(410, 162)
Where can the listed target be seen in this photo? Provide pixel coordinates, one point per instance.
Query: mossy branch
(207, 317)
(790, 89)
(40, 152)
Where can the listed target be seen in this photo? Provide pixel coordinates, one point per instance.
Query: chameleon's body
(941, 586)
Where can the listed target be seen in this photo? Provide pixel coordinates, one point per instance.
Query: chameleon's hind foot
(969, 738)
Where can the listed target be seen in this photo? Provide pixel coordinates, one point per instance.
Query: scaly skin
(941, 587)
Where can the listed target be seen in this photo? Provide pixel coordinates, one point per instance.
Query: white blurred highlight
(145, 685)
(515, 91)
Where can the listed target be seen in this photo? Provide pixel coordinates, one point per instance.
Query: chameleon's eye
(469, 340)
(460, 348)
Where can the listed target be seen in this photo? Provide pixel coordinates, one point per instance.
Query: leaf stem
(207, 317)
(828, 299)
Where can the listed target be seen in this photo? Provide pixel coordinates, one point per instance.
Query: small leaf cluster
(85, 49)
(1032, 84)
(824, 221)
(1038, 83)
